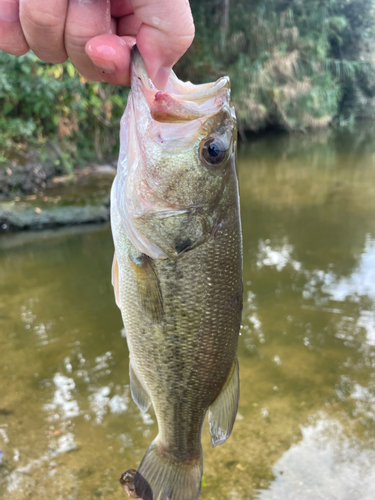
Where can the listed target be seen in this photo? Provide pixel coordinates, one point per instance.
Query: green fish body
(177, 271)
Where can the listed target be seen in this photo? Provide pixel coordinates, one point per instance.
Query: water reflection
(278, 256)
(323, 287)
(306, 423)
(63, 406)
(324, 464)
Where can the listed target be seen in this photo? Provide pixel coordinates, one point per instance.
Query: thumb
(166, 32)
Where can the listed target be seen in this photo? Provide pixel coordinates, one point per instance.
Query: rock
(19, 218)
(20, 179)
(84, 199)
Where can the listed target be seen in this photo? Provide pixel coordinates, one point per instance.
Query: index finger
(166, 32)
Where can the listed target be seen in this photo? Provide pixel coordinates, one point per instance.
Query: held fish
(177, 271)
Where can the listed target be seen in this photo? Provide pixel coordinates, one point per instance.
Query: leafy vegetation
(294, 64)
(41, 102)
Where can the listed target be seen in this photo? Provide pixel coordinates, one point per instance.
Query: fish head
(177, 152)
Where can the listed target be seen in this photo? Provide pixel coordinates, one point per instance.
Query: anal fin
(222, 413)
(139, 393)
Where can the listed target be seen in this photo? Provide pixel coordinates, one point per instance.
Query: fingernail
(9, 11)
(103, 63)
(104, 66)
(161, 78)
(105, 50)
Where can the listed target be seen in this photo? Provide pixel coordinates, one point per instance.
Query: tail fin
(160, 478)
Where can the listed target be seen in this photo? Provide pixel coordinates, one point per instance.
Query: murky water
(306, 423)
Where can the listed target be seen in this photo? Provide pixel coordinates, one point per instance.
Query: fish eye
(214, 151)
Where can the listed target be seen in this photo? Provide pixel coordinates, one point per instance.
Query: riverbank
(47, 201)
(40, 197)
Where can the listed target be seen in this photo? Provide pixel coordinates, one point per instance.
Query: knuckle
(76, 43)
(44, 20)
(184, 33)
(189, 39)
(182, 42)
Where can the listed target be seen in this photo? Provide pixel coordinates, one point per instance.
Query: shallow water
(306, 423)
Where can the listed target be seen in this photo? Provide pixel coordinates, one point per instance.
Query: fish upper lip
(223, 84)
(203, 92)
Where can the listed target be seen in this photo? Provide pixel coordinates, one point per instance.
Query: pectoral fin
(148, 287)
(139, 393)
(222, 412)
(115, 280)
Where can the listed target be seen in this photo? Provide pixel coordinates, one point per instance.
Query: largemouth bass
(177, 270)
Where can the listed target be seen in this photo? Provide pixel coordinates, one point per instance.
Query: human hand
(97, 34)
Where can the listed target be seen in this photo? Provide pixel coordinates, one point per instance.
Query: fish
(177, 270)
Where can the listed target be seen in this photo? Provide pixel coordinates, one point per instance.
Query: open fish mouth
(181, 101)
